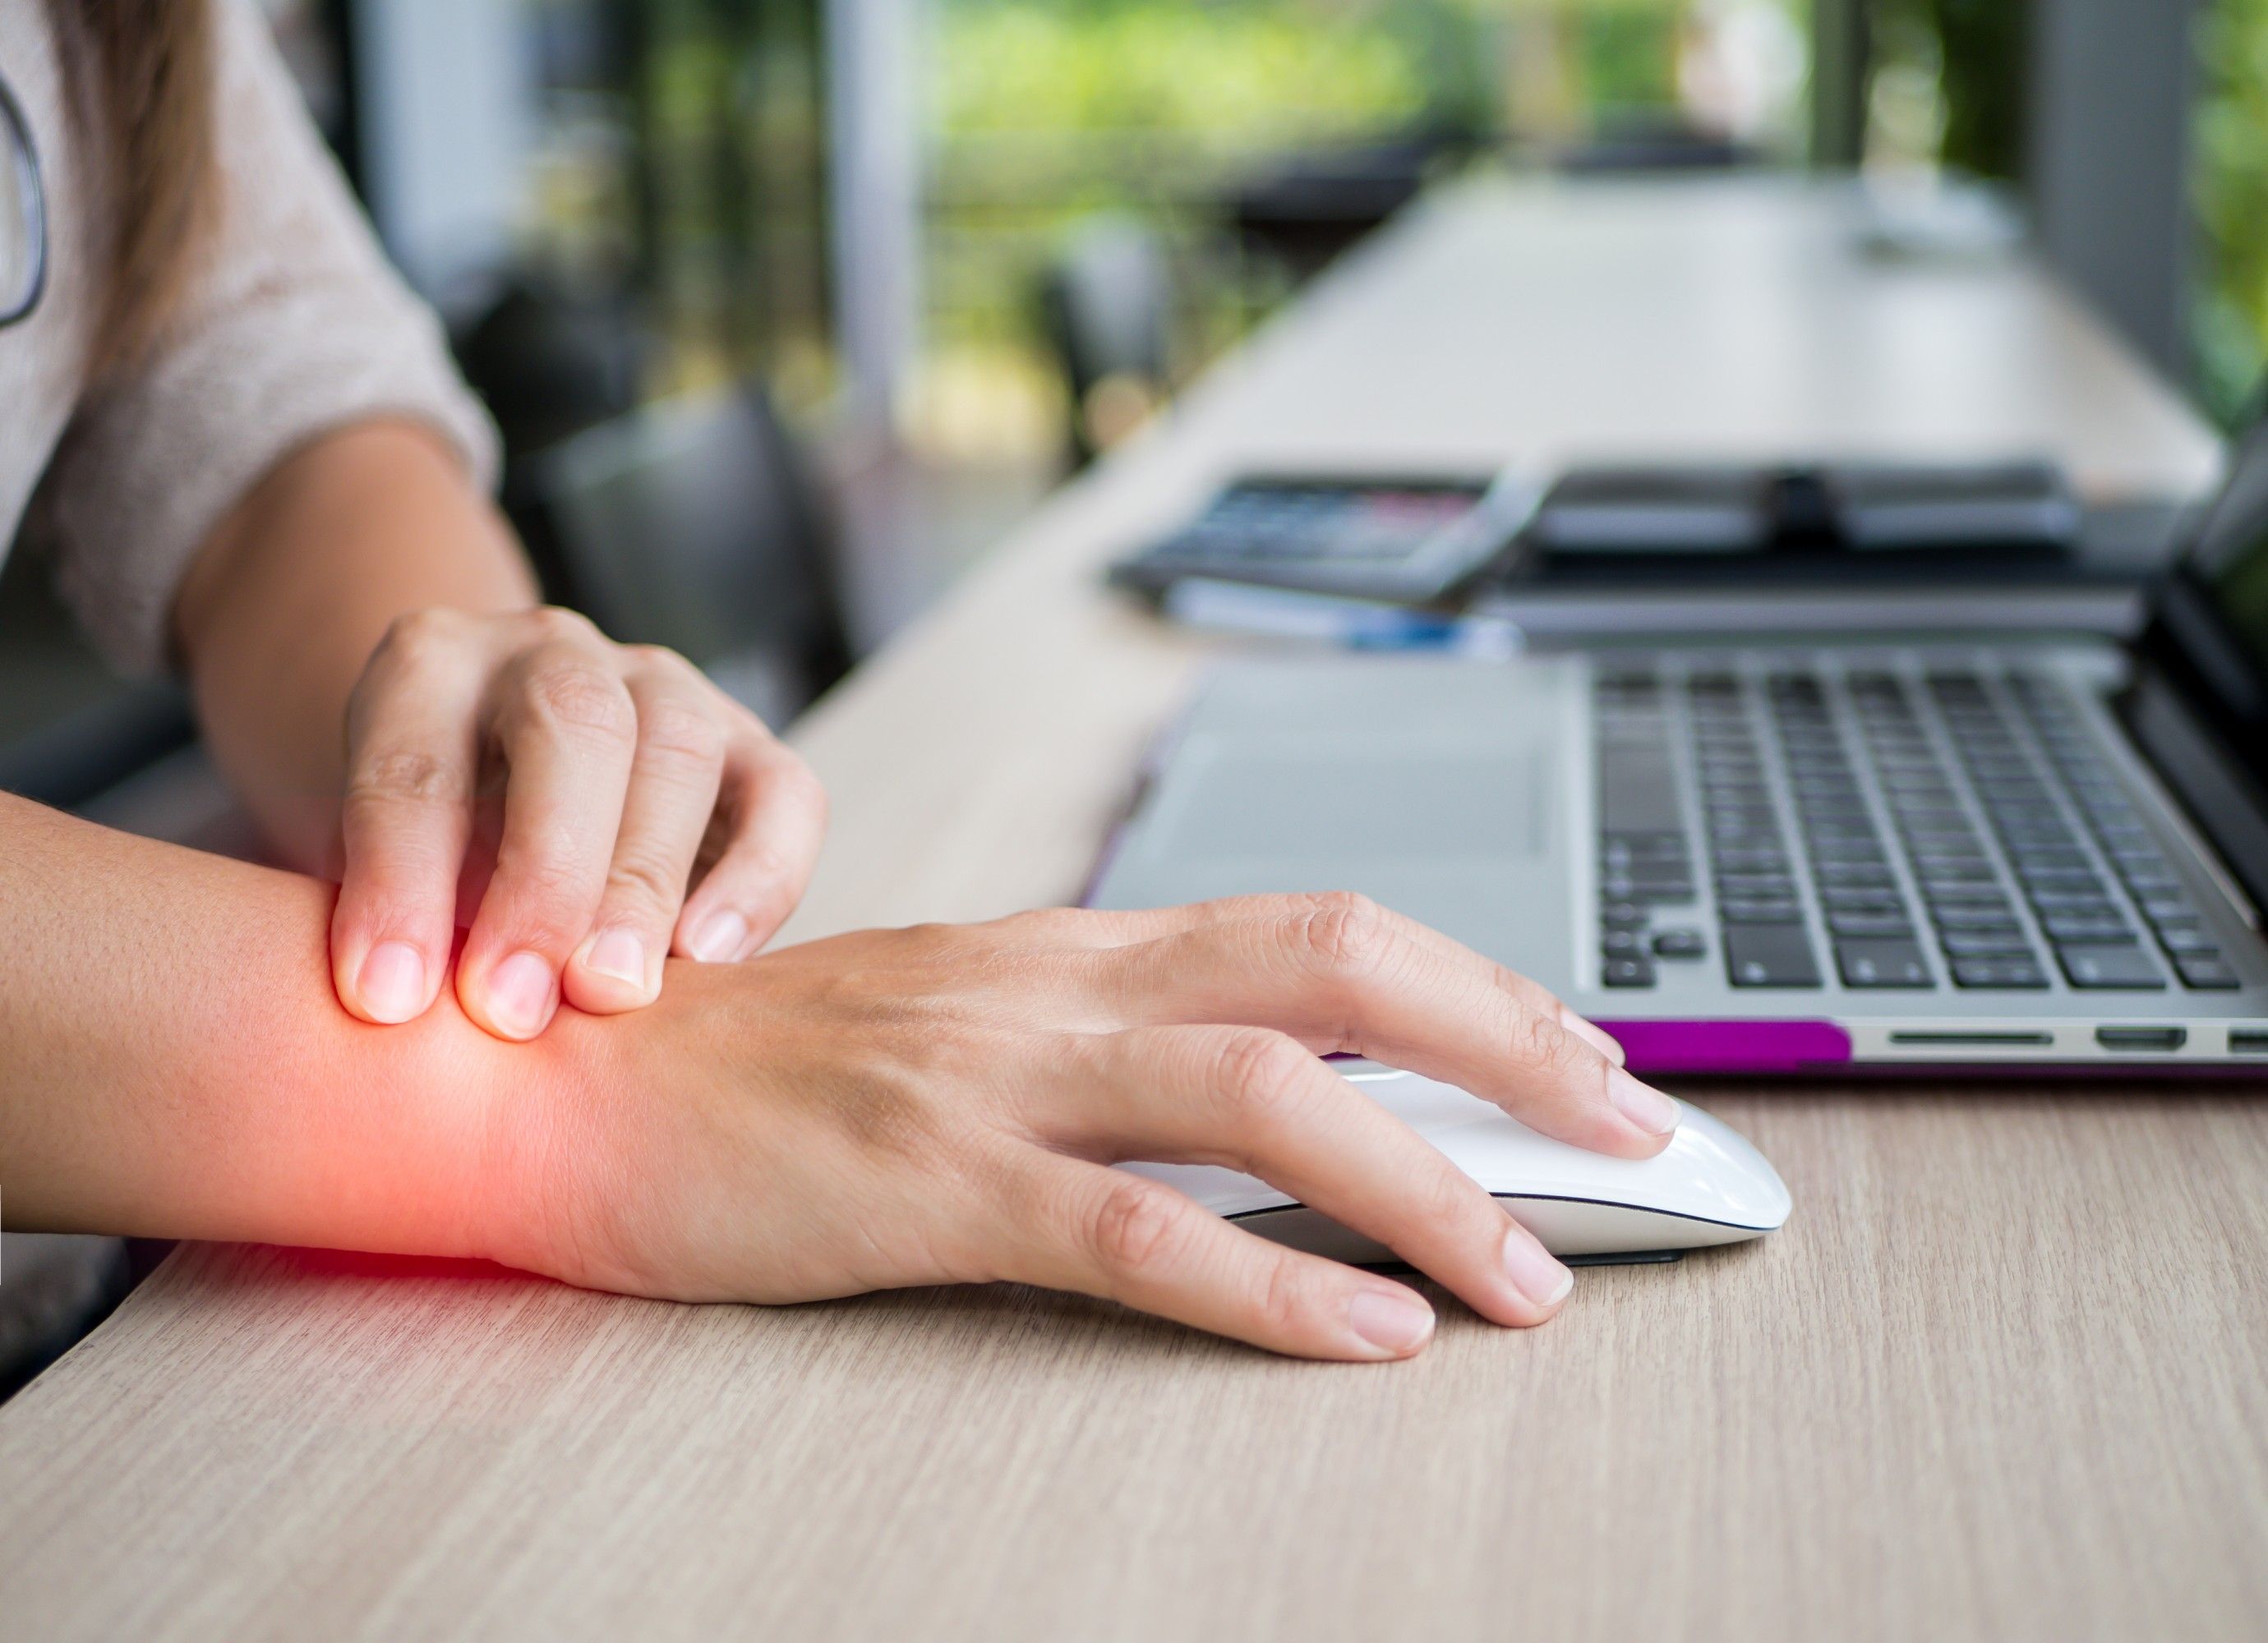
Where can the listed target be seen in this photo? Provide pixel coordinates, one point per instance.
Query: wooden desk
(2003, 1375)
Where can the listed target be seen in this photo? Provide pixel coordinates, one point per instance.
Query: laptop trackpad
(1447, 790)
(1362, 811)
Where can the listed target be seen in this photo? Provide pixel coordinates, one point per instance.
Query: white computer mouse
(1708, 1186)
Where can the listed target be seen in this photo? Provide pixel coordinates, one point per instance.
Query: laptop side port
(2247, 1041)
(2161, 1038)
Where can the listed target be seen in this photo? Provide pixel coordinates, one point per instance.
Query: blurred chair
(1303, 210)
(693, 524)
(69, 728)
(548, 366)
(1638, 145)
(1106, 305)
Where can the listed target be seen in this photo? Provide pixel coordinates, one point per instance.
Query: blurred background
(964, 243)
(824, 294)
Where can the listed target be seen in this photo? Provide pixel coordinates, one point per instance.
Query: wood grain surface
(2003, 1375)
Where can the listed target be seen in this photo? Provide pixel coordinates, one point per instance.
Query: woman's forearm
(284, 605)
(174, 1062)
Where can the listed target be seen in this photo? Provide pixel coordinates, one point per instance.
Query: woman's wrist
(558, 1125)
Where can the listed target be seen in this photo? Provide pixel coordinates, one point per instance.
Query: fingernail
(1395, 1321)
(1592, 1034)
(521, 991)
(393, 982)
(1533, 1270)
(619, 953)
(1642, 1104)
(720, 937)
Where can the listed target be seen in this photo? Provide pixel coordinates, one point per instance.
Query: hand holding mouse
(939, 1104)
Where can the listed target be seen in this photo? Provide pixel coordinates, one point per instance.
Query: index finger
(1341, 973)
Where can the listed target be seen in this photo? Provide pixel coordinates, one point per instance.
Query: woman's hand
(939, 1105)
(596, 779)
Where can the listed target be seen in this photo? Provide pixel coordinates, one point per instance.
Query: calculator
(1412, 541)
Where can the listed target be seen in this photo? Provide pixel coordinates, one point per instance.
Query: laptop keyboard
(1897, 831)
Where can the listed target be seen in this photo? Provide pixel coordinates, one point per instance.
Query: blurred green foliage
(1050, 111)
(1254, 73)
(1275, 70)
(2229, 316)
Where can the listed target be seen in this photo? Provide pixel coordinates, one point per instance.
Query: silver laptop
(1774, 857)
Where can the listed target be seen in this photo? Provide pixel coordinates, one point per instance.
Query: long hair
(144, 74)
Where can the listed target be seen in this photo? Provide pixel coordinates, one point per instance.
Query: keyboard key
(1624, 915)
(2000, 917)
(1625, 944)
(1755, 886)
(2189, 943)
(1829, 852)
(1999, 974)
(1870, 924)
(1770, 955)
(2053, 878)
(1628, 972)
(1638, 789)
(1748, 910)
(2085, 903)
(1847, 898)
(2008, 943)
(1967, 896)
(1942, 842)
(1856, 875)
(1872, 964)
(1645, 847)
(2076, 928)
(2150, 880)
(1646, 893)
(2207, 975)
(2110, 969)
(1680, 944)
(1947, 870)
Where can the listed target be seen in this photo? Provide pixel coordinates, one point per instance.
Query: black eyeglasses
(23, 215)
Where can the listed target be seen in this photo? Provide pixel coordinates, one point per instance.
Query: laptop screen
(2212, 614)
(2199, 706)
(2231, 557)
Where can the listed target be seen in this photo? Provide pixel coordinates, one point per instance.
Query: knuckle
(639, 878)
(1136, 1227)
(402, 777)
(1284, 1297)
(1445, 1196)
(1523, 991)
(1263, 1075)
(661, 660)
(1538, 1040)
(581, 699)
(1344, 935)
(681, 733)
(545, 875)
(421, 633)
(556, 624)
(1049, 926)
